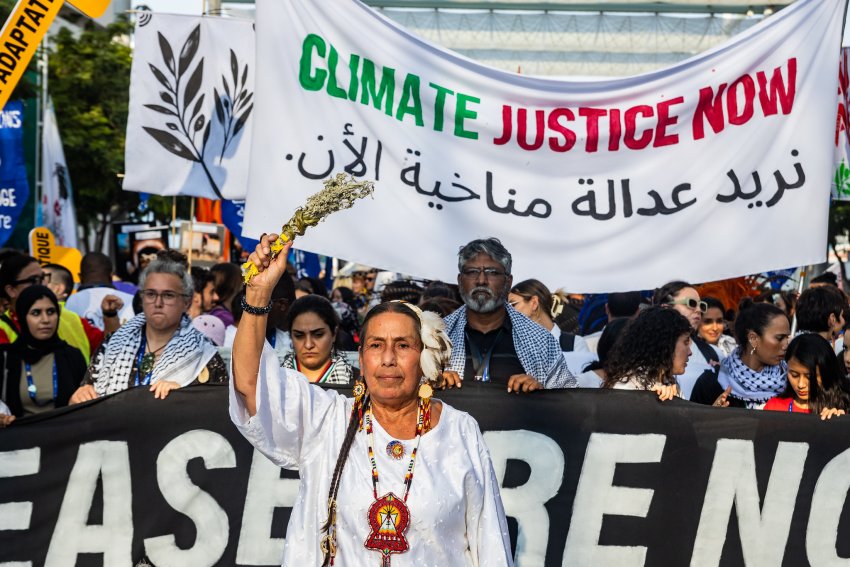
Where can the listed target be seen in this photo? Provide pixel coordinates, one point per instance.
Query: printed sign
(19, 39)
(691, 172)
(43, 248)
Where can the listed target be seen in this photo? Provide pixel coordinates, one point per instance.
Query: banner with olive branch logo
(191, 103)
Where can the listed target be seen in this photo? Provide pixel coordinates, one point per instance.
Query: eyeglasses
(168, 297)
(32, 280)
(691, 303)
(489, 273)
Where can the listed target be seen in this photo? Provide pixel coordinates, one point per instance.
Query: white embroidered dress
(456, 513)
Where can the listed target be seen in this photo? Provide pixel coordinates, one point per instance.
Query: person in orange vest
(17, 273)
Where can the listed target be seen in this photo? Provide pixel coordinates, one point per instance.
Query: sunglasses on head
(691, 303)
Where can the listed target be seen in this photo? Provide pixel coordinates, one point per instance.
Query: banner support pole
(190, 232)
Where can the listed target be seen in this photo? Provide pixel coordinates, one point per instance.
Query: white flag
(716, 167)
(57, 199)
(191, 101)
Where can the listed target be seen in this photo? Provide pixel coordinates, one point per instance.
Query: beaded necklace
(388, 515)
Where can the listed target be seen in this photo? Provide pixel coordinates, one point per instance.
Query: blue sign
(14, 188)
(232, 215)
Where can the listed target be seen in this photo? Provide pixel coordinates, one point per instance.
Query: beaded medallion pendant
(388, 519)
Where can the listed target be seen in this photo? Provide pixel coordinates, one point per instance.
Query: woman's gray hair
(490, 246)
(168, 266)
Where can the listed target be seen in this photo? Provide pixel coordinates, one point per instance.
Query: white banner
(717, 167)
(57, 198)
(191, 106)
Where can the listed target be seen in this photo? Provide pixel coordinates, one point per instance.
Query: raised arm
(248, 344)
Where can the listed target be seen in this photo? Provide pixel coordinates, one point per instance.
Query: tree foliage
(89, 82)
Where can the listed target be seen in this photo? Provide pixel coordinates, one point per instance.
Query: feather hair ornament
(340, 192)
(437, 348)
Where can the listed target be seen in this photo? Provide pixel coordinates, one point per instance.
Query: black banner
(594, 478)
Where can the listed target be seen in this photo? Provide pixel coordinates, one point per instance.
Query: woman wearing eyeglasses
(684, 298)
(755, 371)
(19, 272)
(40, 370)
(159, 348)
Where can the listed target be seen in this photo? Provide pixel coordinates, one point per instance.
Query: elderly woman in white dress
(389, 476)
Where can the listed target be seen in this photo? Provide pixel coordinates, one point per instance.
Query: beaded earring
(425, 393)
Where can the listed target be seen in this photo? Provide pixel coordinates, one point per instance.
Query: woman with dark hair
(594, 374)
(713, 325)
(40, 370)
(227, 280)
(312, 323)
(653, 348)
(815, 383)
(17, 273)
(684, 298)
(755, 371)
(361, 499)
(534, 300)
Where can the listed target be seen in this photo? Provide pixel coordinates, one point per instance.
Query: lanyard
(33, 391)
(481, 363)
(791, 406)
(139, 358)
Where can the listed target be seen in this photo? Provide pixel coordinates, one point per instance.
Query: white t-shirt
(457, 517)
(86, 304)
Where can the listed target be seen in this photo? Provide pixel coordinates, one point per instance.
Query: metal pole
(40, 106)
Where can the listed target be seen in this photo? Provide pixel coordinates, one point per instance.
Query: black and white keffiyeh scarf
(753, 387)
(185, 355)
(538, 351)
(339, 372)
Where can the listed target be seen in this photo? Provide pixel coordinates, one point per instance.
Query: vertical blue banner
(232, 214)
(14, 188)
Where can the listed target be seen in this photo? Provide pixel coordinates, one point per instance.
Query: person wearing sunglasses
(19, 272)
(158, 349)
(684, 298)
(40, 370)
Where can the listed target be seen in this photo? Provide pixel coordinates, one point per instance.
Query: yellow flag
(19, 39)
(91, 8)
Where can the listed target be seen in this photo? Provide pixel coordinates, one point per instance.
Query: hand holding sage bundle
(340, 192)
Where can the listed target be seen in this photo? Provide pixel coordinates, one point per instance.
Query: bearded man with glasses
(492, 341)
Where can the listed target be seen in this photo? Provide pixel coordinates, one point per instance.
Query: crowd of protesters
(64, 344)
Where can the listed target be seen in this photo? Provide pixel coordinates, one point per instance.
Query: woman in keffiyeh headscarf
(159, 348)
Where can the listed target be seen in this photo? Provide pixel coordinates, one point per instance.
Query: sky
(197, 6)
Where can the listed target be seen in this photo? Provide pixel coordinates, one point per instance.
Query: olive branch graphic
(227, 107)
(182, 106)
